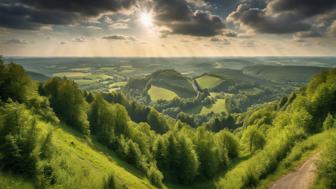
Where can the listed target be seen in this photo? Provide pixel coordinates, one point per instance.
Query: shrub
(110, 183)
(155, 176)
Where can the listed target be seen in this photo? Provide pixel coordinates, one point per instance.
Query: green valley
(163, 130)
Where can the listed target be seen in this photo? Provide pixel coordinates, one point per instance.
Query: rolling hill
(37, 76)
(283, 73)
(169, 80)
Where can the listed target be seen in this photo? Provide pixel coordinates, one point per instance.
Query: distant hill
(283, 73)
(37, 76)
(167, 79)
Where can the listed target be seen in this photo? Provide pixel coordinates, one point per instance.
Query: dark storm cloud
(32, 14)
(172, 10)
(282, 16)
(258, 20)
(304, 8)
(18, 16)
(84, 7)
(200, 24)
(181, 19)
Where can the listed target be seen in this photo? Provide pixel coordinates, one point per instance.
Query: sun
(146, 19)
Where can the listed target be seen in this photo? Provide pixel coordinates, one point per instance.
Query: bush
(229, 142)
(110, 183)
(327, 165)
(18, 139)
(249, 179)
(68, 102)
(155, 176)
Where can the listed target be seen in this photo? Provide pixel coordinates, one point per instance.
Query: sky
(167, 28)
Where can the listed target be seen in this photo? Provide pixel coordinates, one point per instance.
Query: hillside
(37, 76)
(170, 80)
(207, 81)
(55, 135)
(77, 163)
(283, 73)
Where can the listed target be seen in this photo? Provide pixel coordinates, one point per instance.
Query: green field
(208, 81)
(158, 93)
(217, 107)
(72, 74)
(118, 84)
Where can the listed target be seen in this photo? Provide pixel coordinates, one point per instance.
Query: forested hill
(54, 135)
(283, 73)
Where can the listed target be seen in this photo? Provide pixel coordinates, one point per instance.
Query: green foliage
(108, 121)
(254, 139)
(15, 83)
(18, 139)
(218, 123)
(46, 176)
(110, 183)
(158, 123)
(249, 179)
(229, 142)
(188, 161)
(68, 102)
(327, 166)
(210, 155)
(329, 122)
(41, 106)
(47, 147)
(155, 176)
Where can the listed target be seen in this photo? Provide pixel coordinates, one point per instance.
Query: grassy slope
(208, 81)
(79, 164)
(217, 107)
(14, 182)
(174, 81)
(158, 93)
(296, 156)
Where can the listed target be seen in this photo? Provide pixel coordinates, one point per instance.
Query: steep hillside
(77, 163)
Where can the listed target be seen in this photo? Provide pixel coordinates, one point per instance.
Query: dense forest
(168, 151)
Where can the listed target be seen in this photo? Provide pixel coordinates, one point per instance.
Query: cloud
(18, 16)
(259, 20)
(83, 7)
(16, 42)
(34, 14)
(282, 16)
(119, 37)
(180, 19)
(332, 29)
(220, 40)
(94, 28)
(118, 24)
(79, 40)
(306, 34)
(248, 44)
(230, 33)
